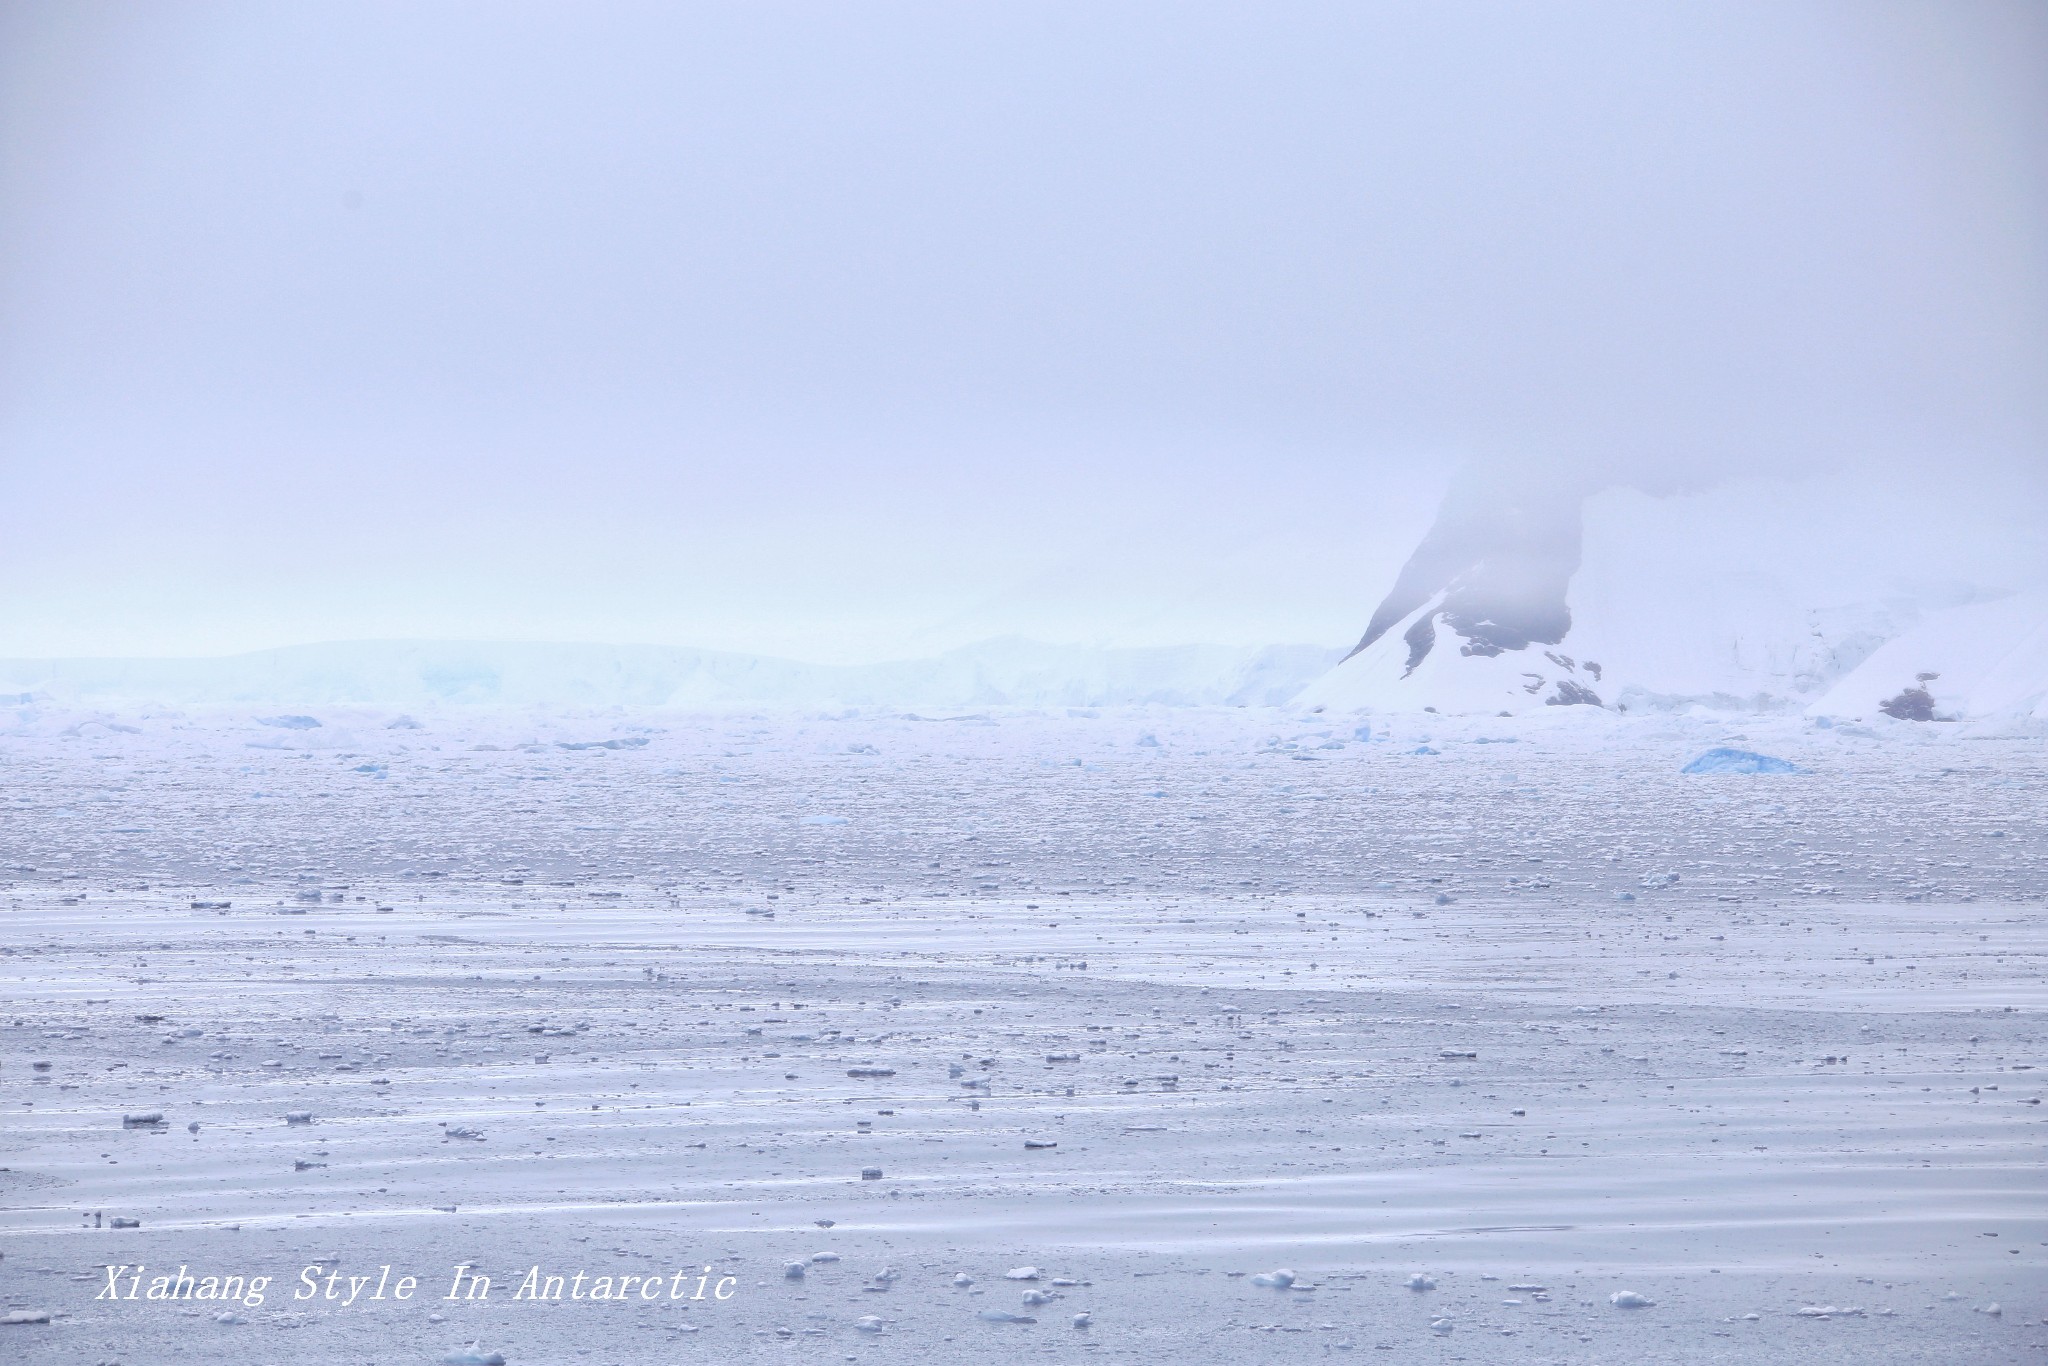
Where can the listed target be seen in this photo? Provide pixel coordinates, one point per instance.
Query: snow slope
(1987, 659)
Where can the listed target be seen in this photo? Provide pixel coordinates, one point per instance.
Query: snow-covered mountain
(405, 674)
(1768, 596)
(1759, 597)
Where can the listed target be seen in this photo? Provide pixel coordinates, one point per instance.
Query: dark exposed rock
(1912, 704)
(1570, 694)
(1420, 637)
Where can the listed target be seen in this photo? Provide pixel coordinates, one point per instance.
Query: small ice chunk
(824, 1256)
(1004, 1316)
(1021, 1273)
(1441, 1325)
(473, 1355)
(1036, 1297)
(1278, 1280)
(961, 1280)
(793, 1271)
(25, 1316)
(868, 1323)
(1082, 1320)
(1421, 1282)
(1629, 1299)
(298, 1116)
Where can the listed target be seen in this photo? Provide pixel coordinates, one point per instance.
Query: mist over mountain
(805, 331)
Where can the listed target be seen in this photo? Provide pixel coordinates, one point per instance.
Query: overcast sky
(852, 330)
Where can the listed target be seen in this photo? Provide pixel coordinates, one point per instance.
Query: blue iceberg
(1725, 760)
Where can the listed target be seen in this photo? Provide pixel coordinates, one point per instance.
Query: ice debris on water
(793, 1271)
(1278, 1280)
(298, 1116)
(1441, 1325)
(1037, 1297)
(1421, 1282)
(868, 1323)
(1021, 1273)
(961, 1280)
(1004, 1316)
(25, 1316)
(1629, 1299)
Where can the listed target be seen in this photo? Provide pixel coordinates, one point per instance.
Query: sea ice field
(1145, 1035)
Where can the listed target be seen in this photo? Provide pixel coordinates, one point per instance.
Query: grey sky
(841, 330)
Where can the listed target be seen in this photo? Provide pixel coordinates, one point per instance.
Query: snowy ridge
(1724, 601)
(1007, 672)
